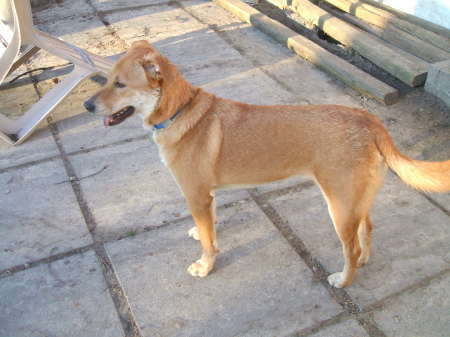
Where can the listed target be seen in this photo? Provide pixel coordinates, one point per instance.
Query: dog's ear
(151, 68)
(141, 44)
(160, 68)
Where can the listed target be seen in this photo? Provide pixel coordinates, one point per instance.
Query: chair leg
(16, 131)
(24, 57)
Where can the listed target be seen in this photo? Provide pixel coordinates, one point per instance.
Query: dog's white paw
(200, 268)
(193, 233)
(337, 280)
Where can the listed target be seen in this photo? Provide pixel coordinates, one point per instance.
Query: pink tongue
(107, 120)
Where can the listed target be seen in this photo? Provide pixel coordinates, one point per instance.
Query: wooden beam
(360, 12)
(390, 12)
(407, 36)
(433, 34)
(411, 73)
(347, 73)
(414, 45)
(372, 29)
(377, 32)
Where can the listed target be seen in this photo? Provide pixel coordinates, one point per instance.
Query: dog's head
(139, 82)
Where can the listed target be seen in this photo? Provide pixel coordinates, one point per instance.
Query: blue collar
(167, 122)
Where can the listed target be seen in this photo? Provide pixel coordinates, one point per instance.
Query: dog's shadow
(236, 244)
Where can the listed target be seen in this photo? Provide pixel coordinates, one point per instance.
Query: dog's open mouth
(118, 117)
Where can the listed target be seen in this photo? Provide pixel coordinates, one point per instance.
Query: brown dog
(210, 143)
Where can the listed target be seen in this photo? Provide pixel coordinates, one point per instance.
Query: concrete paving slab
(39, 146)
(65, 298)
(421, 311)
(410, 238)
(259, 285)
(39, 214)
(168, 24)
(253, 87)
(141, 191)
(248, 41)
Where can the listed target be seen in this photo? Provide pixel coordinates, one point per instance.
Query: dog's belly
(240, 185)
(248, 173)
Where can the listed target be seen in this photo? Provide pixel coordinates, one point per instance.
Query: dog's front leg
(203, 211)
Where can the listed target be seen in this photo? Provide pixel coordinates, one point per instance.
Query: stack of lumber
(367, 29)
(420, 38)
(402, 45)
(346, 72)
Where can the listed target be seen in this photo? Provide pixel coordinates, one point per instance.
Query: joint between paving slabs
(102, 17)
(117, 292)
(435, 203)
(51, 258)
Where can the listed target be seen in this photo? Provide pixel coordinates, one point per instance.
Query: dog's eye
(119, 85)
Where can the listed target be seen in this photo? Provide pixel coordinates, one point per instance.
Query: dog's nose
(89, 105)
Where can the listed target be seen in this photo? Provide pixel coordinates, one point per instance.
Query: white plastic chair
(16, 29)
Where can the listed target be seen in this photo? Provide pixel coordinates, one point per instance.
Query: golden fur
(217, 143)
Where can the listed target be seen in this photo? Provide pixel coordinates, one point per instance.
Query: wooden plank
(360, 12)
(347, 73)
(424, 30)
(414, 45)
(372, 29)
(411, 73)
(390, 12)
(377, 32)
(420, 42)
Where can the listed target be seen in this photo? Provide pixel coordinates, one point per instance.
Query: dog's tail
(424, 176)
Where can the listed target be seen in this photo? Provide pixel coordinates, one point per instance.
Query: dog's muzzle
(113, 119)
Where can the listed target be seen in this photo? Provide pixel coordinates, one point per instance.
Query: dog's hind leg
(365, 226)
(365, 239)
(347, 230)
(203, 209)
(349, 201)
